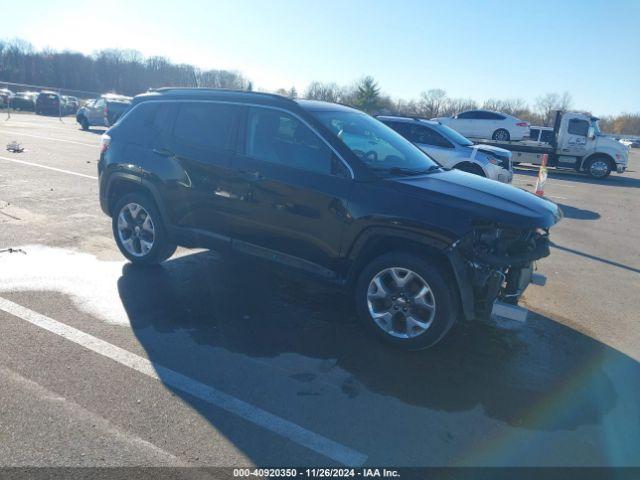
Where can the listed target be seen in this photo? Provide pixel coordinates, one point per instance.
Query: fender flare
(145, 184)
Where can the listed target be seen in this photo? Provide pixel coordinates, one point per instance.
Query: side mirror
(591, 133)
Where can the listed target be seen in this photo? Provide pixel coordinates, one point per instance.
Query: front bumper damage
(494, 266)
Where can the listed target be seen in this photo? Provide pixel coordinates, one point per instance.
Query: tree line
(128, 72)
(366, 95)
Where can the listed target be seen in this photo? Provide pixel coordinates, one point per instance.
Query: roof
(407, 119)
(213, 93)
(318, 106)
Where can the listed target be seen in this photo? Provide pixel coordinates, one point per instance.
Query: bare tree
(432, 102)
(547, 104)
(327, 92)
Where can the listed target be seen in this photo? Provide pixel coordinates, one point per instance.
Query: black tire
(597, 161)
(501, 135)
(161, 249)
(84, 123)
(441, 285)
(470, 168)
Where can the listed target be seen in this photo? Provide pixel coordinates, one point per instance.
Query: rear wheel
(501, 135)
(598, 167)
(406, 300)
(84, 123)
(139, 230)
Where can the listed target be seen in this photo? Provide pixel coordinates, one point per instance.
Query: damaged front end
(496, 262)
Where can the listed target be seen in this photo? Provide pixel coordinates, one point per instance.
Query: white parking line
(48, 167)
(93, 145)
(251, 413)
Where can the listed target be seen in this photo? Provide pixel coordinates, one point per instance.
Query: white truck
(575, 142)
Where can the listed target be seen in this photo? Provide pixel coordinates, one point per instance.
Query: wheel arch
(604, 155)
(470, 167)
(122, 183)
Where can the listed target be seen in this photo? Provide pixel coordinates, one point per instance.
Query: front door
(574, 142)
(292, 192)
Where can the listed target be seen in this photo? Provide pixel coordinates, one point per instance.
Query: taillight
(105, 140)
(522, 124)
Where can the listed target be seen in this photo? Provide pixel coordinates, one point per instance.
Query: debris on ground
(12, 250)
(15, 147)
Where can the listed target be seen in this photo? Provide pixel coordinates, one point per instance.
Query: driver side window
(276, 137)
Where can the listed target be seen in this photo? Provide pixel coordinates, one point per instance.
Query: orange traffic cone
(542, 176)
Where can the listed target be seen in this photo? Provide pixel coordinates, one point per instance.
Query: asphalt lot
(208, 361)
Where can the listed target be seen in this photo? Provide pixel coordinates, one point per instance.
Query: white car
(487, 124)
(452, 150)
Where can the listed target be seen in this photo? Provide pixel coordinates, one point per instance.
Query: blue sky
(476, 49)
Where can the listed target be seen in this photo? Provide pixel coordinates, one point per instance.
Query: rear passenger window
(533, 134)
(578, 127)
(468, 115)
(277, 137)
(151, 116)
(205, 124)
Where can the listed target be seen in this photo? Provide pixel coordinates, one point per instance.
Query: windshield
(454, 136)
(596, 127)
(373, 142)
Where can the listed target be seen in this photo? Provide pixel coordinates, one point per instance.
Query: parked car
(487, 124)
(48, 102)
(452, 150)
(278, 179)
(635, 144)
(5, 97)
(25, 101)
(70, 105)
(103, 111)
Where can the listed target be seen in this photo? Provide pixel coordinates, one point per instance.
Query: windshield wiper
(406, 171)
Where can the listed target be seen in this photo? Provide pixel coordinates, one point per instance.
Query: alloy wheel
(401, 302)
(136, 230)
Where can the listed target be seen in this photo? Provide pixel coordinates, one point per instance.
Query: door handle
(163, 152)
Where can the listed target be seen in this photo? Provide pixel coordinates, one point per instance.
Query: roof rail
(219, 90)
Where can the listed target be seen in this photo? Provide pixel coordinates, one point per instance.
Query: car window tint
(277, 137)
(205, 124)
(427, 136)
(402, 128)
(578, 127)
(467, 115)
(546, 136)
(533, 133)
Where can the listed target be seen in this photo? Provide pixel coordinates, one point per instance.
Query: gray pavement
(560, 389)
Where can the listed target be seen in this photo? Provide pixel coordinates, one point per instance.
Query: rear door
(292, 190)
(201, 146)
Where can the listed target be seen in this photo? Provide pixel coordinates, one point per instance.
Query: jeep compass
(324, 189)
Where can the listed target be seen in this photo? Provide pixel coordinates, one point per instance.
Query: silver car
(452, 150)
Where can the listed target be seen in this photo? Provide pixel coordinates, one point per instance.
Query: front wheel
(598, 167)
(406, 300)
(501, 135)
(84, 123)
(139, 231)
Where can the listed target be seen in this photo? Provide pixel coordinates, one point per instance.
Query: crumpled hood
(484, 199)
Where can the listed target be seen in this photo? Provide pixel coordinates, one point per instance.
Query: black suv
(325, 189)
